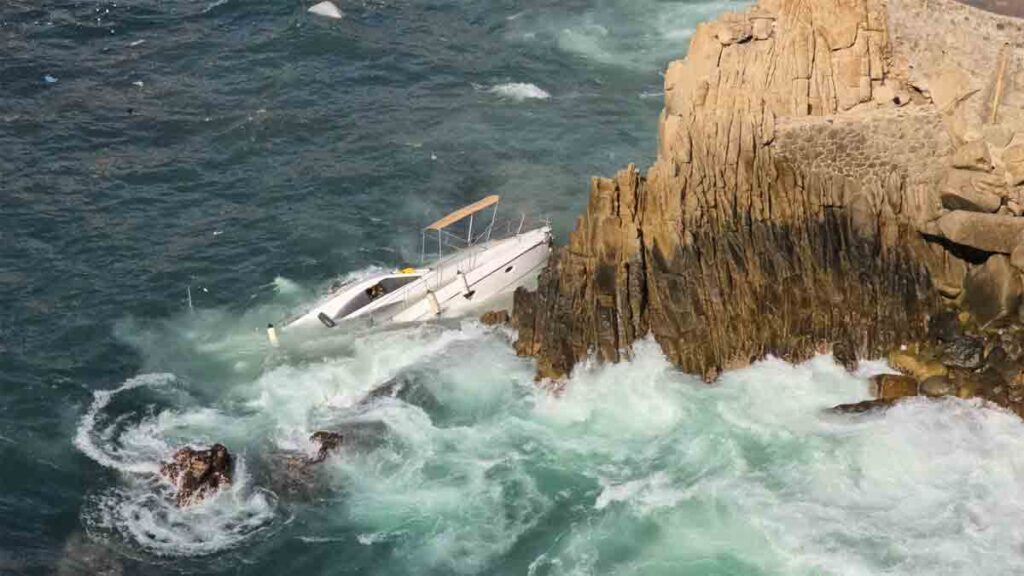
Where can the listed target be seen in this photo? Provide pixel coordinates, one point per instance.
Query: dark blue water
(223, 144)
(252, 153)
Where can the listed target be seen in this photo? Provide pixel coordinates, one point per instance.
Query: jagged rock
(495, 318)
(920, 366)
(938, 386)
(761, 23)
(733, 28)
(961, 193)
(964, 352)
(845, 355)
(992, 291)
(198, 474)
(1013, 160)
(893, 386)
(944, 327)
(986, 232)
(973, 156)
(780, 211)
(327, 443)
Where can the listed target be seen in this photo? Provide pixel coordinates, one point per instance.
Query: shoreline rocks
(828, 173)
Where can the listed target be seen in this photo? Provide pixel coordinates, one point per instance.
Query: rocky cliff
(830, 175)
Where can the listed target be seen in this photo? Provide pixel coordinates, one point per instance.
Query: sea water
(199, 169)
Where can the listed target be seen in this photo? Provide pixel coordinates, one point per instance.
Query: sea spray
(633, 468)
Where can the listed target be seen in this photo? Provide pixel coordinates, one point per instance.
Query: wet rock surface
(495, 318)
(198, 474)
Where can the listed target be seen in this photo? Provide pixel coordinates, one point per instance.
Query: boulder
(197, 474)
(938, 386)
(994, 233)
(959, 192)
(893, 386)
(1013, 161)
(920, 366)
(495, 318)
(964, 352)
(992, 291)
(973, 156)
(1017, 257)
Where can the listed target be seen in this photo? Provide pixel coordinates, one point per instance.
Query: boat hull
(455, 286)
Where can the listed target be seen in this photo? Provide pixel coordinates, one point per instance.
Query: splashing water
(634, 469)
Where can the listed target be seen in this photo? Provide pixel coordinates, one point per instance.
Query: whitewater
(631, 469)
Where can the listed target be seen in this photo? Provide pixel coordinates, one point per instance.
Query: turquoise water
(255, 154)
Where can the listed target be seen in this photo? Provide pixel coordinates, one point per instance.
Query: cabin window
(374, 292)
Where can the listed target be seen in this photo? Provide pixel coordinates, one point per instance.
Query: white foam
(520, 91)
(656, 464)
(143, 511)
(109, 455)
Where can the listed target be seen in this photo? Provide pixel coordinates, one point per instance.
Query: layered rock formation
(830, 173)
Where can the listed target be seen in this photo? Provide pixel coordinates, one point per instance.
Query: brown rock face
(893, 386)
(494, 318)
(197, 474)
(803, 153)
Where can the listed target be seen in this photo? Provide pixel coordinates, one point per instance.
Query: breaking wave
(481, 468)
(520, 91)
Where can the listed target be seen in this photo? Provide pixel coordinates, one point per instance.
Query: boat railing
(463, 250)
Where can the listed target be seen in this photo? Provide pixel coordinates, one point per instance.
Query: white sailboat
(468, 271)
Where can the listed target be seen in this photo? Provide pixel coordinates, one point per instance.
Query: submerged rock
(865, 406)
(327, 443)
(82, 556)
(198, 474)
(407, 388)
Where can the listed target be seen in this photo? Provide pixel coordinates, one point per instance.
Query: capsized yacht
(468, 270)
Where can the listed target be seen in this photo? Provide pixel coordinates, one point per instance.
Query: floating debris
(326, 9)
(50, 79)
(138, 83)
(136, 43)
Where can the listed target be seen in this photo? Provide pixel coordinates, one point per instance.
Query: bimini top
(464, 212)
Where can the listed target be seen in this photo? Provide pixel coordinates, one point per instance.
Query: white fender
(434, 304)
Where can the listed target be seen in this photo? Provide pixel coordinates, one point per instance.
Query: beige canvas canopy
(464, 212)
